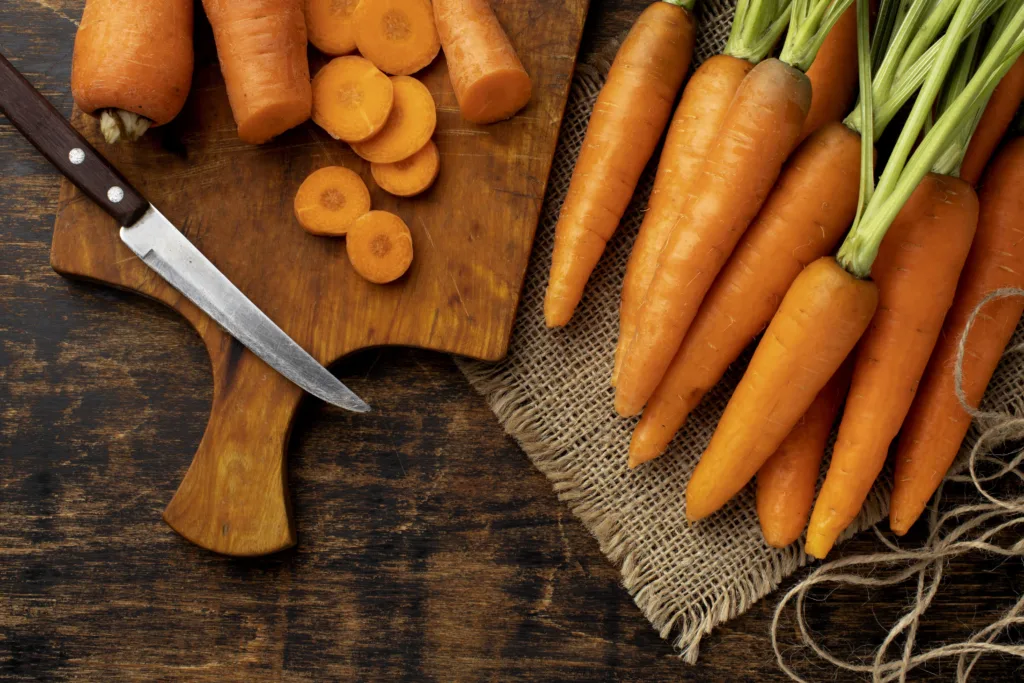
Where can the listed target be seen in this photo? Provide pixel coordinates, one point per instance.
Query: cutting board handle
(234, 498)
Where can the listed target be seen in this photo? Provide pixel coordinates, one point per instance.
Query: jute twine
(552, 395)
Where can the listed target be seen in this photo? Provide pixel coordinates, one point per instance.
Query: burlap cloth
(552, 395)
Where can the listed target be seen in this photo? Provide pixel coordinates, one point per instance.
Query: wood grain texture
(430, 548)
(472, 234)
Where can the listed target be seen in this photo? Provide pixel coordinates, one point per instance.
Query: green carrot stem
(756, 28)
(866, 105)
(687, 5)
(809, 25)
(901, 177)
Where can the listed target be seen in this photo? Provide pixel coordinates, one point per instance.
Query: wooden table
(430, 549)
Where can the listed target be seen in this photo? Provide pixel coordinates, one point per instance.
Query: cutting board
(472, 235)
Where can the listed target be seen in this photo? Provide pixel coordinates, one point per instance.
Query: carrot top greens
(685, 4)
(903, 172)
(756, 28)
(809, 24)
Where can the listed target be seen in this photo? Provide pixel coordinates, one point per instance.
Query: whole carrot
(132, 65)
(758, 134)
(786, 482)
(794, 228)
(700, 113)
(820, 320)
(937, 423)
(261, 46)
(916, 272)
(1001, 109)
(628, 119)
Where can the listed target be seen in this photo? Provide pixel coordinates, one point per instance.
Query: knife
(160, 245)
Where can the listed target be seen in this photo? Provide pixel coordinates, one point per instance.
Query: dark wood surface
(429, 547)
(472, 232)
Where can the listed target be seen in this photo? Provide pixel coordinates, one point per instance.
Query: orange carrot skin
(261, 46)
(698, 118)
(821, 318)
(786, 483)
(998, 115)
(916, 271)
(794, 227)
(629, 117)
(134, 55)
(833, 75)
(757, 136)
(490, 82)
(937, 423)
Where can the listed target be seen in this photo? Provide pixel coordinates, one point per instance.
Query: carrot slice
(331, 25)
(410, 176)
(412, 122)
(398, 36)
(352, 99)
(379, 246)
(329, 200)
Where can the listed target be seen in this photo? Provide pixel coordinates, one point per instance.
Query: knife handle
(44, 127)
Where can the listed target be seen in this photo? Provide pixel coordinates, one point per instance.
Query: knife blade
(159, 244)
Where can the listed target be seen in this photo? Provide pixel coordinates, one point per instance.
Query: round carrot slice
(379, 245)
(329, 200)
(398, 36)
(410, 126)
(331, 25)
(410, 176)
(352, 99)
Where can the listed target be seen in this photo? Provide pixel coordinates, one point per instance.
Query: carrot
(786, 482)
(410, 176)
(830, 303)
(490, 82)
(833, 75)
(330, 199)
(379, 246)
(758, 133)
(261, 46)
(629, 117)
(1001, 109)
(408, 128)
(331, 25)
(795, 227)
(352, 99)
(132, 64)
(916, 271)
(937, 423)
(698, 117)
(398, 36)
(790, 366)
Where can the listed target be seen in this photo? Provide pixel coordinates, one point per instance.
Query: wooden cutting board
(472, 234)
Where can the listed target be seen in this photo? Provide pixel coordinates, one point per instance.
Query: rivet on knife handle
(61, 144)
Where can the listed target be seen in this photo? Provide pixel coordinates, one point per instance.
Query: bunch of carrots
(133, 68)
(758, 183)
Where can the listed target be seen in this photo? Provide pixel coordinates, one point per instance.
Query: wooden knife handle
(44, 127)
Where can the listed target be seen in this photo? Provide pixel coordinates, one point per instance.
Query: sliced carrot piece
(410, 176)
(330, 199)
(331, 25)
(398, 36)
(379, 245)
(410, 126)
(352, 99)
